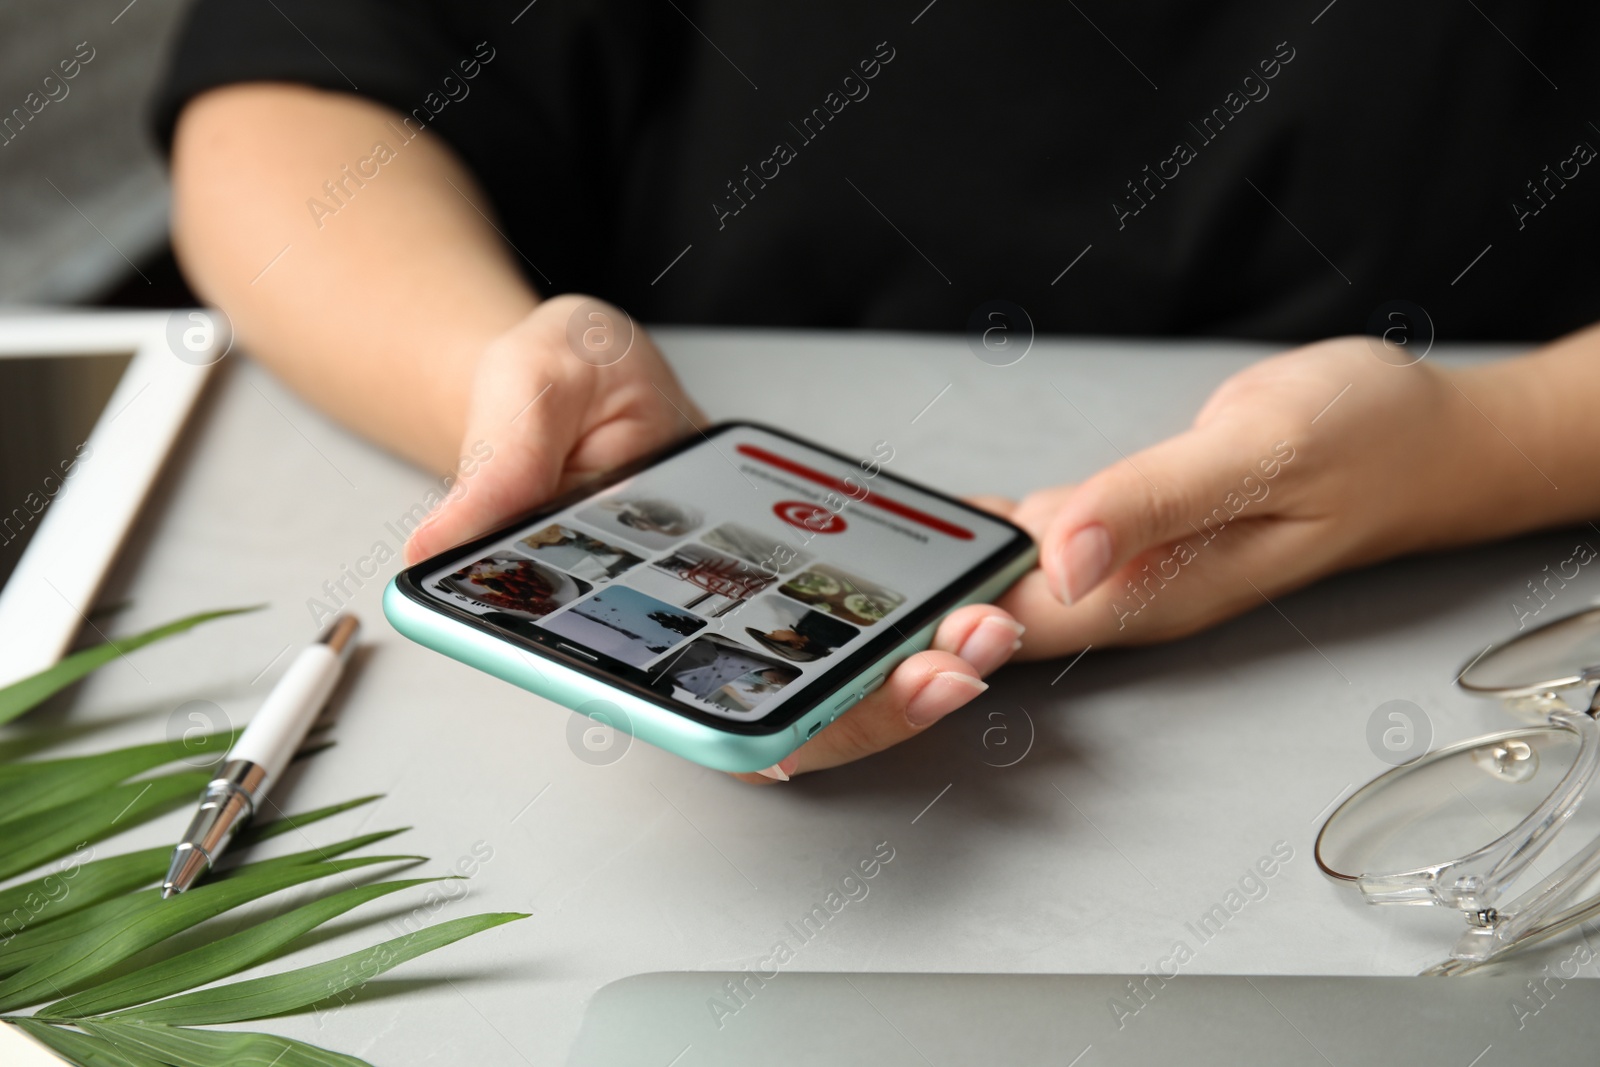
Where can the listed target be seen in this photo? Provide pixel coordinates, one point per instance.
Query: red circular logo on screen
(808, 516)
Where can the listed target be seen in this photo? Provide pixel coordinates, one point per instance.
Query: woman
(400, 206)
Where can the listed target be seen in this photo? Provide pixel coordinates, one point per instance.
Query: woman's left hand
(1320, 459)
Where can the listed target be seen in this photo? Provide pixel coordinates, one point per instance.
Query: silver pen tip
(189, 862)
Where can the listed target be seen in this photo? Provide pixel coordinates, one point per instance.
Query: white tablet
(90, 405)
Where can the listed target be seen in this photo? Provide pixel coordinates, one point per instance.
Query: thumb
(1191, 485)
(523, 423)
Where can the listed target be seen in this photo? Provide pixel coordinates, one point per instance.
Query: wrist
(1497, 445)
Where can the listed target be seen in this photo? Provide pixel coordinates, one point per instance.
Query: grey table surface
(1155, 778)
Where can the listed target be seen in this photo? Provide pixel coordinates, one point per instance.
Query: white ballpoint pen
(261, 753)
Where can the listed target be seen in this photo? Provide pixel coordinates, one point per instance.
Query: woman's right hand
(553, 404)
(574, 389)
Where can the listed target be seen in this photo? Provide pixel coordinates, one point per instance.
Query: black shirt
(1242, 168)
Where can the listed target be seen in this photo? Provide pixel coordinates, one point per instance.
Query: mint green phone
(724, 599)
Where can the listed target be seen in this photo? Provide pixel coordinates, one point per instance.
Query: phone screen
(732, 575)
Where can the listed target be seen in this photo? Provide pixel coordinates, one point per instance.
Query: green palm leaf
(72, 889)
(86, 1050)
(145, 757)
(36, 787)
(207, 1048)
(44, 938)
(278, 993)
(152, 920)
(27, 694)
(219, 959)
(27, 842)
(261, 831)
(41, 942)
(310, 855)
(74, 930)
(69, 889)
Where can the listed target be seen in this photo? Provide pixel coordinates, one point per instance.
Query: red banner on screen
(854, 491)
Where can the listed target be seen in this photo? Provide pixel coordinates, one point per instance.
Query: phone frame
(420, 615)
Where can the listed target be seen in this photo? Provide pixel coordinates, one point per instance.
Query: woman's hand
(1324, 458)
(555, 401)
(574, 389)
(969, 644)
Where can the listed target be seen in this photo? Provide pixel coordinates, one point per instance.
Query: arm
(1545, 405)
(404, 316)
(379, 314)
(1278, 484)
(402, 313)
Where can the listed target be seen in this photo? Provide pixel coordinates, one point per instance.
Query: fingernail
(780, 771)
(944, 693)
(991, 642)
(1083, 562)
(412, 554)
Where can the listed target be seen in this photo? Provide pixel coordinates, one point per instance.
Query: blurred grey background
(83, 194)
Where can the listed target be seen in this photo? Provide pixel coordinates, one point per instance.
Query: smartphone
(724, 599)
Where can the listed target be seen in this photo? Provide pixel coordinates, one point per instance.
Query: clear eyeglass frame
(1548, 677)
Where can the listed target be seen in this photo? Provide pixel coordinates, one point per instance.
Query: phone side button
(872, 683)
(846, 704)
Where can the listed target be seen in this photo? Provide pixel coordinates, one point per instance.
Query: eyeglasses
(1391, 838)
